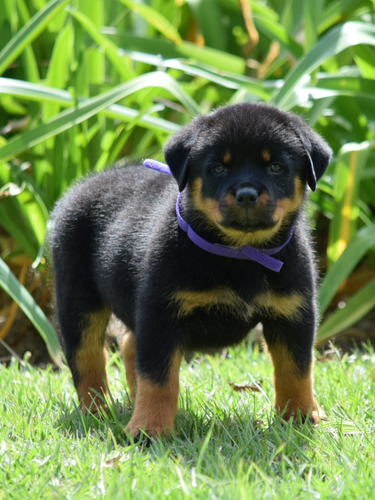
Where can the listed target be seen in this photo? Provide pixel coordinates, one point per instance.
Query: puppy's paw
(97, 406)
(314, 413)
(317, 415)
(148, 430)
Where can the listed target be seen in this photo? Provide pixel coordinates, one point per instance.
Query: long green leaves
(28, 33)
(85, 109)
(338, 39)
(153, 17)
(23, 212)
(349, 166)
(354, 310)
(340, 270)
(63, 98)
(97, 83)
(26, 302)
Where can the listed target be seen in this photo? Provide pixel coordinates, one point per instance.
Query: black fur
(116, 242)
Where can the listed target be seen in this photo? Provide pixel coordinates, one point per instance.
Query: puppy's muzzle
(246, 197)
(248, 208)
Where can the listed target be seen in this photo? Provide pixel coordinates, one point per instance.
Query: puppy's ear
(318, 154)
(177, 151)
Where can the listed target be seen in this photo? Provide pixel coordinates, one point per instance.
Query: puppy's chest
(225, 300)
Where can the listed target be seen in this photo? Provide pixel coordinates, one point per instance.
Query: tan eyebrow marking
(227, 157)
(266, 155)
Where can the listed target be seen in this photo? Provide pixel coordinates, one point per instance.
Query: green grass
(229, 445)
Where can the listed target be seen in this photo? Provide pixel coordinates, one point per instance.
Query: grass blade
(166, 49)
(58, 69)
(355, 309)
(32, 310)
(22, 211)
(336, 10)
(340, 270)
(354, 86)
(29, 32)
(276, 31)
(312, 12)
(157, 20)
(348, 173)
(209, 16)
(339, 38)
(42, 93)
(90, 107)
(110, 49)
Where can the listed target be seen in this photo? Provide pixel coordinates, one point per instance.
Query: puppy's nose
(247, 196)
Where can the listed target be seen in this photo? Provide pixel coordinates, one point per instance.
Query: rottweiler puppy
(194, 260)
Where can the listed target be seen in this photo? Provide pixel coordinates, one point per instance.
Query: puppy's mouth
(249, 226)
(249, 218)
(250, 230)
(243, 217)
(252, 220)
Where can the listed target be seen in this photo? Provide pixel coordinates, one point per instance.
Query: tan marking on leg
(128, 351)
(91, 362)
(293, 391)
(156, 405)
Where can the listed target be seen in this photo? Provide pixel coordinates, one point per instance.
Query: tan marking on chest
(224, 298)
(288, 306)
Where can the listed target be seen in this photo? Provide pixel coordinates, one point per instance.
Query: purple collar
(246, 252)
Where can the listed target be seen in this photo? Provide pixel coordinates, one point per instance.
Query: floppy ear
(178, 149)
(176, 153)
(318, 155)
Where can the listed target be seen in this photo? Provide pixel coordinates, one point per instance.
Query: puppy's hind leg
(91, 360)
(81, 313)
(83, 342)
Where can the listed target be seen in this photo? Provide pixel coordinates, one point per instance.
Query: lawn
(229, 444)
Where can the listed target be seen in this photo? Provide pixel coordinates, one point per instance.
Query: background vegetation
(85, 82)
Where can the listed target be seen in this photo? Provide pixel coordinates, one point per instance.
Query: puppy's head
(246, 168)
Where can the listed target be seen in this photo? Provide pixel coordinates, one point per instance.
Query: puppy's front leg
(156, 398)
(291, 347)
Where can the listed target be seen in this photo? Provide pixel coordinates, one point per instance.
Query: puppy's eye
(219, 169)
(275, 168)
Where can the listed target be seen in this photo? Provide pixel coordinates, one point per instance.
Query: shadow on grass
(109, 423)
(211, 430)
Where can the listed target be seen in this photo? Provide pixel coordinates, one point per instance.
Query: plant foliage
(83, 83)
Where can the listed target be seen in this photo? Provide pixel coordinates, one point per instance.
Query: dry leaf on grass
(246, 387)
